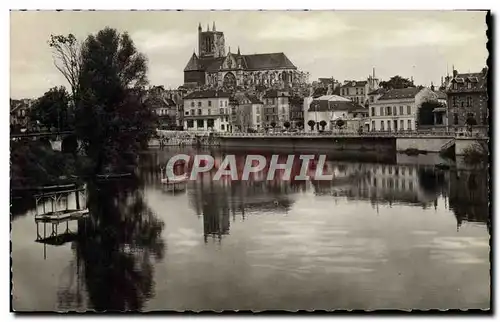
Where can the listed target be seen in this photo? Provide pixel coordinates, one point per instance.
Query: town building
(276, 108)
(296, 111)
(19, 113)
(357, 91)
(397, 109)
(327, 110)
(246, 112)
(467, 96)
(207, 110)
(166, 109)
(213, 67)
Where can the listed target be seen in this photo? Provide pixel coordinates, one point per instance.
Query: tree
(286, 125)
(66, 51)
(113, 122)
(396, 82)
(322, 124)
(273, 124)
(340, 123)
(311, 124)
(300, 124)
(51, 109)
(426, 114)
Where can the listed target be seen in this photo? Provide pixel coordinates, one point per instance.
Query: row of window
(391, 110)
(359, 91)
(200, 103)
(201, 124)
(455, 85)
(393, 183)
(209, 112)
(467, 103)
(272, 101)
(397, 170)
(393, 125)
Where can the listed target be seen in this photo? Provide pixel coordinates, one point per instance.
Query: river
(384, 234)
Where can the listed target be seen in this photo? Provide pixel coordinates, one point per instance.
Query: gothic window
(455, 118)
(454, 101)
(209, 103)
(401, 110)
(373, 111)
(229, 80)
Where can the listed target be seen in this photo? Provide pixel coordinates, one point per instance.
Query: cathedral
(213, 68)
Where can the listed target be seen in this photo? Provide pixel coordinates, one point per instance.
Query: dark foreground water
(380, 235)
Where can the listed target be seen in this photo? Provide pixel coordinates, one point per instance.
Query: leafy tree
(286, 124)
(51, 109)
(113, 122)
(396, 82)
(340, 123)
(426, 114)
(273, 124)
(322, 124)
(311, 124)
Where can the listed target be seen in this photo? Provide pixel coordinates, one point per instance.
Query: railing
(341, 134)
(449, 134)
(38, 134)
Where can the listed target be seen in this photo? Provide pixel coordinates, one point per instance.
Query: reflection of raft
(111, 176)
(179, 180)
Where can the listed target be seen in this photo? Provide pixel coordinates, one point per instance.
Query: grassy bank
(34, 163)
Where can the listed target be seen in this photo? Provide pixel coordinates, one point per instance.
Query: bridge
(36, 135)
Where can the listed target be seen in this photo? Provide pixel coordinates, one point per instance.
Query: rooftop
(401, 93)
(248, 62)
(354, 84)
(207, 94)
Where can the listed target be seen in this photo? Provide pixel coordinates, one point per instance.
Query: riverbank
(33, 164)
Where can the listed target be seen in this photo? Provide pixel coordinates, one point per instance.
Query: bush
(476, 154)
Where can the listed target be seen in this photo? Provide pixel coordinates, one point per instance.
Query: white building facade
(207, 111)
(397, 109)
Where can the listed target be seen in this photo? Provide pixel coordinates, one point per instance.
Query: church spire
(208, 28)
(213, 26)
(199, 26)
(239, 50)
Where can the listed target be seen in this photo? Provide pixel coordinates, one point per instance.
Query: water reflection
(272, 231)
(116, 249)
(465, 193)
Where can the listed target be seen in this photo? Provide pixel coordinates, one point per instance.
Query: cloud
(425, 33)
(293, 28)
(158, 41)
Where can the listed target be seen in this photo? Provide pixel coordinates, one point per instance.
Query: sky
(340, 44)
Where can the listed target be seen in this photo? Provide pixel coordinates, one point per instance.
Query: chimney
(432, 86)
(455, 73)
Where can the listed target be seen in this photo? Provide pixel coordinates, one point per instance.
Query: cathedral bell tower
(211, 43)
